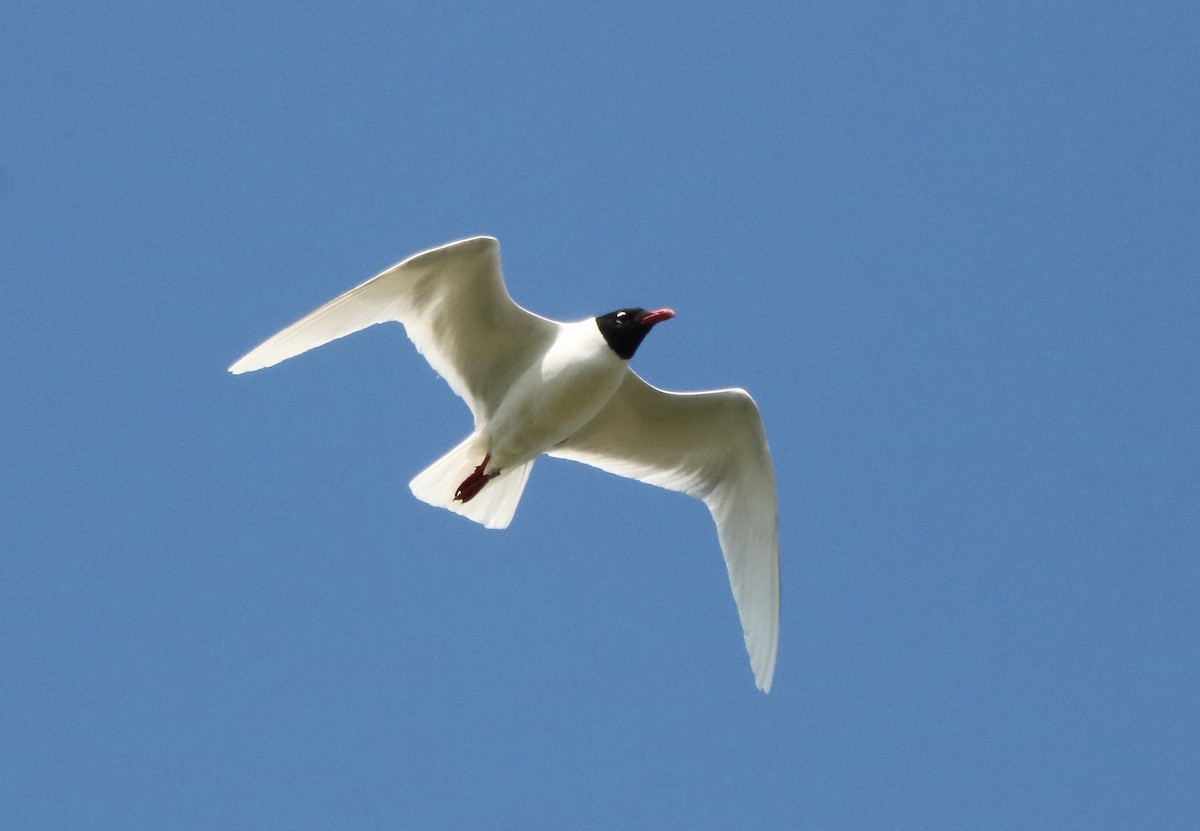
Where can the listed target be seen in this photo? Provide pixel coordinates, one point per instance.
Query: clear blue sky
(951, 250)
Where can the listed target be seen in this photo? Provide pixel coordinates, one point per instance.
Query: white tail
(492, 507)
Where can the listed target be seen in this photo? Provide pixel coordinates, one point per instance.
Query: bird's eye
(621, 317)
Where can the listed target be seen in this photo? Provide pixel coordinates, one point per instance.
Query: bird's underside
(536, 386)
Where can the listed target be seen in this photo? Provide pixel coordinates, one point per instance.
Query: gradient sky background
(951, 251)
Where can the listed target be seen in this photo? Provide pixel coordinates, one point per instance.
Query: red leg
(474, 483)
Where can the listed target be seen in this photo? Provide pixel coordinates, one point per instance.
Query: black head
(625, 328)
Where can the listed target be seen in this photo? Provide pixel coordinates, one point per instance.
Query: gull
(536, 386)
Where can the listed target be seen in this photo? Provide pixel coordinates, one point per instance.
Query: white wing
(455, 309)
(710, 445)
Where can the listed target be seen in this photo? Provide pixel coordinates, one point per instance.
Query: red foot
(474, 483)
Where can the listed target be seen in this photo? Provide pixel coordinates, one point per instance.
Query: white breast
(555, 396)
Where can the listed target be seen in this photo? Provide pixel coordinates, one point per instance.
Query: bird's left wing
(710, 445)
(455, 309)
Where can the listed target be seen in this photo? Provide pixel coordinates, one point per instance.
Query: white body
(554, 397)
(549, 401)
(535, 386)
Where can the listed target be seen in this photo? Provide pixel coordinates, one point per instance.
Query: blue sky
(952, 252)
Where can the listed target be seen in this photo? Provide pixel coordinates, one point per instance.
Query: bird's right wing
(710, 445)
(455, 309)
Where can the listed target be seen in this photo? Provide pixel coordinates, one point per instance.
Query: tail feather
(492, 507)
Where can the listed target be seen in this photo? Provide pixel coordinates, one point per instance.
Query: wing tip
(763, 657)
(764, 678)
(244, 364)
